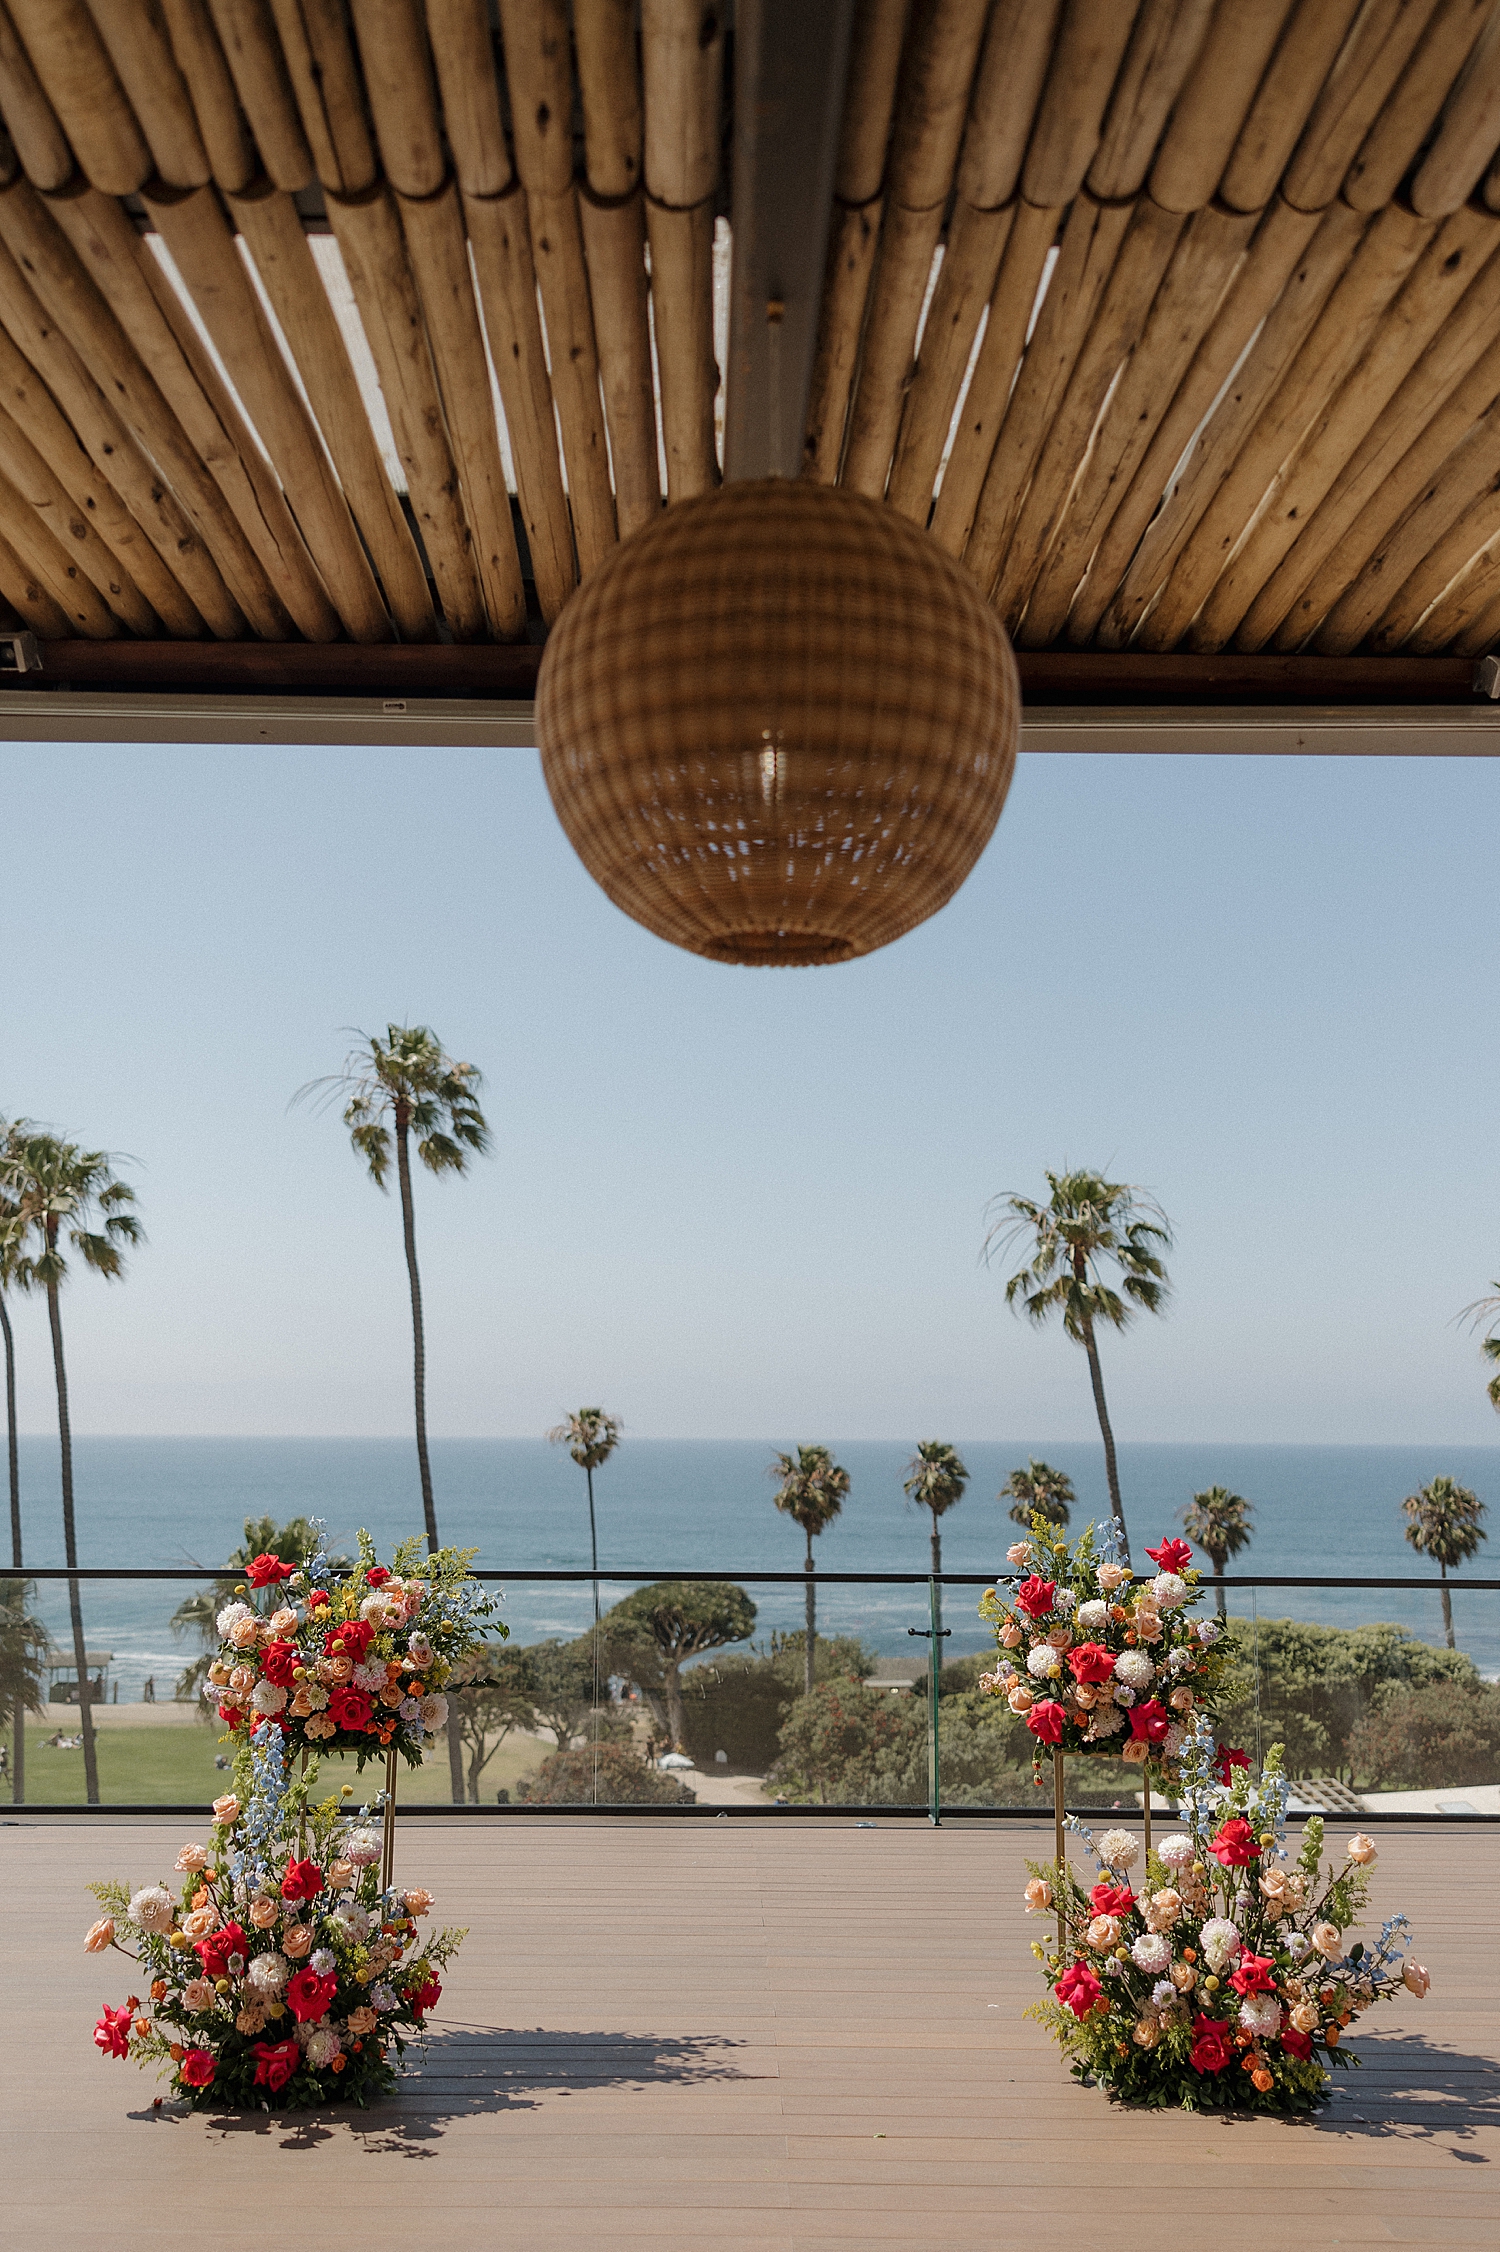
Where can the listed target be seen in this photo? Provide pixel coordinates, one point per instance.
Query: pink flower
(100, 1935)
(1090, 1662)
(1078, 1990)
(1233, 1844)
(265, 1571)
(1415, 1979)
(275, 2063)
(197, 2069)
(1212, 2049)
(1046, 1722)
(112, 2033)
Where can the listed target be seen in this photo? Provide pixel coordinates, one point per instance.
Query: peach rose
(1103, 1933)
(1038, 1896)
(1327, 1940)
(390, 1697)
(242, 1680)
(339, 1873)
(1183, 1977)
(100, 1935)
(1018, 1552)
(297, 1941)
(1164, 1909)
(1010, 1635)
(1112, 1576)
(199, 1994)
(281, 1622)
(1137, 1750)
(263, 1914)
(1305, 2017)
(1181, 1700)
(334, 1670)
(1361, 1849)
(245, 1633)
(1086, 1696)
(218, 1674)
(227, 1810)
(301, 1705)
(362, 2020)
(418, 1902)
(1415, 1979)
(1146, 2031)
(201, 1922)
(192, 1859)
(1273, 1884)
(1020, 1698)
(1060, 1637)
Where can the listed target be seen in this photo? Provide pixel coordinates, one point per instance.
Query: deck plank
(754, 2038)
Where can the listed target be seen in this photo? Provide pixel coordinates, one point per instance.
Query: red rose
(1226, 1761)
(1212, 2049)
(1036, 1597)
(1296, 2044)
(377, 1575)
(353, 1639)
(1078, 1989)
(1172, 1556)
(112, 2033)
(1046, 1722)
(231, 1716)
(275, 2062)
(317, 1599)
(1151, 1720)
(1254, 1974)
(1235, 1844)
(426, 1997)
(197, 2068)
(1090, 1662)
(303, 1880)
(265, 1571)
(308, 1996)
(349, 1707)
(215, 1951)
(278, 1662)
(1111, 1900)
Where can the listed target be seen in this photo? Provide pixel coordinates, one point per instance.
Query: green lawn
(175, 1766)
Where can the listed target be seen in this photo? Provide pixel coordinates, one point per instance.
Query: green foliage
(55, 1189)
(812, 1489)
(1428, 1739)
(407, 1080)
(562, 1684)
(1317, 1683)
(609, 1774)
(1442, 1521)
(848, 1745)
(1040, 1492)
(736, 1704)
(1087, 1226)
(489, 1694)
(652, 1632)
(23, 1644)
(935, 1477)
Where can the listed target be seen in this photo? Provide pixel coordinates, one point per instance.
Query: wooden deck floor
(753, 2037)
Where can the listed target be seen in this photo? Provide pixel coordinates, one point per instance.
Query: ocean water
(669, 1505)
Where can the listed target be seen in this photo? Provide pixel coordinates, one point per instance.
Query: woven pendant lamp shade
(778, 724)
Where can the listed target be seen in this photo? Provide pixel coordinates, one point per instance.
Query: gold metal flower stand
(1059, 1811)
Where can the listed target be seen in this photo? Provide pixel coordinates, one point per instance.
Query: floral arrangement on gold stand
(1227, 1976)
(285, 1967)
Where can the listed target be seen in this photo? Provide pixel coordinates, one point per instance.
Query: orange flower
(339, 2063)
(158, 1989)
(175, 2052)
(1261, 2079)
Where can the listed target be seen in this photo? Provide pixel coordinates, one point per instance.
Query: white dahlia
(1119, 1850)
(232, 1615)
(1151, 1953)
(1135, 1669)
(268, 1974)
(1044, 1662)
(1220, 1937)
(267, 1698)
(1105, 1720)
(1260, 2013)
(1093, 1617)
(151, 1909)
(1178, 1851)
(1169, 1591)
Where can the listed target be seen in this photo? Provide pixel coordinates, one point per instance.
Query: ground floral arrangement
(280, 1971)
(1097, 1663)
(352, 1661)
(1225, 1979)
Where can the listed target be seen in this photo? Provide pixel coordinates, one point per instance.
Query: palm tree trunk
(419, 1392)
(1447, 1608)
(70, 1544)
(937, 1565)
(1111, 1466)
(18, 1749)
(594, 1716)
(1219, 1559)
(812, 1619)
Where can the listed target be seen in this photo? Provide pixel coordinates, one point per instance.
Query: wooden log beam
(320, 64)
(78, 78)
(247, 34)
(1352, 97)
(1215, 101)
(135, 34)
(41, 491)
(49, 565)
(30, 119)
(1305, 53)
(210, 85)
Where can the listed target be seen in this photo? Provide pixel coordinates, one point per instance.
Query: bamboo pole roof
(369, 321)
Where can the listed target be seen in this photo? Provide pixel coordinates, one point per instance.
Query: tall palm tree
(935, 1479)
(23, 1647)
(1443, 1522)
(59, 1189)
(590, 1437)
(10, 1237)
(1039, 1491)
(1219, 1522)
(401, 1089)
(811, 1493)
(1087, 1226)
(1487, 1311)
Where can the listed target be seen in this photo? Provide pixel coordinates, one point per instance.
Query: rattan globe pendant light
(778, 724)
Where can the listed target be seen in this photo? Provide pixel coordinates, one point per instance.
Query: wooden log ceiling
(367, 327)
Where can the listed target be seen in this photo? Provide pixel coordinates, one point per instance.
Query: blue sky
(750, 1202)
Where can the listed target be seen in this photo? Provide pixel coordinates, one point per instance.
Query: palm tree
(58, 1188)
(1219, 1522)
(23, 1644)
(590, 1437)
(408, 1088)
(1487, 1310)
(1039, 1491)
(811, 1492)
(935, 1479)
(1443, 1522)
(10, 1215)
(1086, 1226)
(196, 1616)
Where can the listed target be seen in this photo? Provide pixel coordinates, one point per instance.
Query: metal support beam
(790, 61)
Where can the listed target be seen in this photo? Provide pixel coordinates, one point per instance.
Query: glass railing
(706, 1706)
